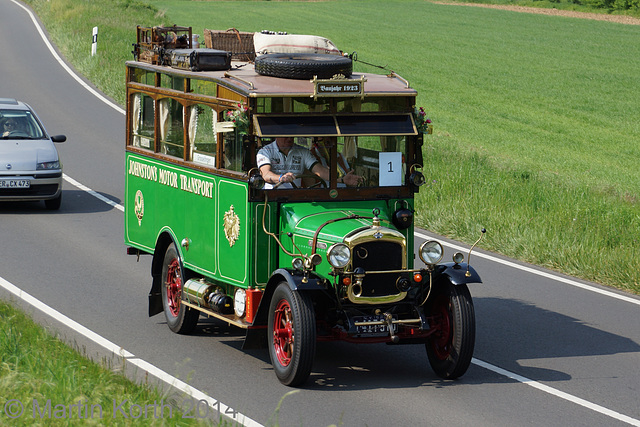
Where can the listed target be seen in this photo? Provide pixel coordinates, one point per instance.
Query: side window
(235, 127)
(202, 134)
(233, 150)
(171, 127)
(142, 118)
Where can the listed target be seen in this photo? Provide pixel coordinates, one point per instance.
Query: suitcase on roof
(198, 59)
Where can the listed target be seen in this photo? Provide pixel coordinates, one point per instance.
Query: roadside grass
(531, 215)
(536, 117)
(45, 382)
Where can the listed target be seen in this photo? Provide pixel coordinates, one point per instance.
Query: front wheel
(453, 325)
(180, 318)
(53, 204)
(292, 335)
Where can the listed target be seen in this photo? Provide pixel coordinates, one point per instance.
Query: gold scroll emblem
(231, 226)
(139, 206)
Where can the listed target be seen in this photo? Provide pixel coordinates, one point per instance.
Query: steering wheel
(16, 133)
(321, 182)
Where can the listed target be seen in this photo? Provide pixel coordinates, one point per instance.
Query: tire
(292, 335)
(53, 204)
(452, 318)
(180, 318)
(303, 66)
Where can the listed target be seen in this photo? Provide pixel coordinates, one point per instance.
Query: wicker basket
(239, 43)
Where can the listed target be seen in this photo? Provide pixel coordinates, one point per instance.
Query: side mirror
(59, 138)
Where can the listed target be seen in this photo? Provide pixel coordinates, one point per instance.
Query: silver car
(30, 168)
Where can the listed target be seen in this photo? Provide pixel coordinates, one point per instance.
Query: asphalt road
(550, 350)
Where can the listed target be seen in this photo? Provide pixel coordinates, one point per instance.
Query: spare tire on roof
(303, 66)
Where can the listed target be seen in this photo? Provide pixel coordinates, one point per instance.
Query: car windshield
(19, 124)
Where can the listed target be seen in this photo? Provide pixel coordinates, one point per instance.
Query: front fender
(295, 280)
(256, 337)
(457, 273)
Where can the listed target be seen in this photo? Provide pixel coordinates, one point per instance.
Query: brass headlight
(431, 252)
(339, 255)
(297, 263)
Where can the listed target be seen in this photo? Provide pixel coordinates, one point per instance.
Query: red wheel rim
(442, 337)
(283, 332)
(174, 287)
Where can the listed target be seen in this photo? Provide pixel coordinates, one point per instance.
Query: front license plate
(15, 183)
(369, 328)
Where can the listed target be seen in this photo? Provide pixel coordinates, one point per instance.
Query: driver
(10, 125)
(282, 161)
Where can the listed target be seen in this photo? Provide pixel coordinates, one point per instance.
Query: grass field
(536, 117)
(45, 382)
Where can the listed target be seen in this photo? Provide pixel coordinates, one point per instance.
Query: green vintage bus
(291, 266)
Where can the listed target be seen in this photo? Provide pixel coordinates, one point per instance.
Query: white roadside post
(94, 44)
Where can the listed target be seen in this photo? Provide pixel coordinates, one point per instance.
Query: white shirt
(296, 161)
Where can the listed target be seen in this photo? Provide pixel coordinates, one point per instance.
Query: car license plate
(371, 328)
(15, 183)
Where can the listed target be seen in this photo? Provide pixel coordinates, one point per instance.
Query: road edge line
(555, 392)
(534, 271)
(128, 356)
(64, 65)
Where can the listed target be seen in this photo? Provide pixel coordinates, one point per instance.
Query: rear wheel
(452, 320)
(180, 318)
(292, 335)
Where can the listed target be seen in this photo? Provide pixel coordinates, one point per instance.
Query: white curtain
(164, 118)
(137, 112)
(214, 123)
(350, 149)
(193, 128)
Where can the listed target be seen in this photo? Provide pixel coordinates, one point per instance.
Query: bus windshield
(377, 161)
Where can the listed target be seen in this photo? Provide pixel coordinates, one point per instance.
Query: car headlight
(48, 165)
(339, 255)
(431, 252)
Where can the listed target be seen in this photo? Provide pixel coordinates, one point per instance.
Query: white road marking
(172, 381)
(540, 273)
(557, 393)
(93, 193)
(247, 421)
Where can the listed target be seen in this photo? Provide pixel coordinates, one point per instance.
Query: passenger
(320, 149)
(283, 162)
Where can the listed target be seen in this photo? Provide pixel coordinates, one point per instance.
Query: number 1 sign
(390, 169)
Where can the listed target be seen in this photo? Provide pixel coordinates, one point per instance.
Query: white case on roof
(293, 43)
